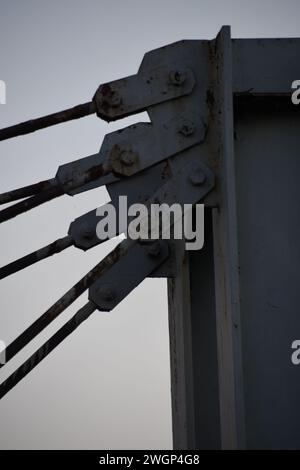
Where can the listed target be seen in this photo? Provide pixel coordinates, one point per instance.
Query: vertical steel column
(206, 369)
(181, 356)
(226, 256)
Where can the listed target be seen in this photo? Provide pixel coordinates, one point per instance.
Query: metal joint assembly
(163, 161)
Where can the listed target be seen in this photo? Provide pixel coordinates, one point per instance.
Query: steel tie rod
(42, 352)
(53, 248)
(29, 203)
(50, 191)
(66, 300)
(33, 125)
(27, 191)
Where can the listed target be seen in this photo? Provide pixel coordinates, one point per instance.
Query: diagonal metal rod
(68, 328)
(29, 203)
(55, 247)
(46, 121)
(66, 300)
(55, 190)
(27, 191)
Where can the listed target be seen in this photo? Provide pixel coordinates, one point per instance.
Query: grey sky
(108, 385)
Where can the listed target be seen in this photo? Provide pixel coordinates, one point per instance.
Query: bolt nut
(123, 159)
(198, 177)
(187, 128)
(115, 99)
(177, 77)
(128, 157)
(111, 98)
(154, 249)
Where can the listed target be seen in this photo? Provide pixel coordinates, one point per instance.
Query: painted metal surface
(127, 274)
(221, 106)
(268, 194)
(249, 264)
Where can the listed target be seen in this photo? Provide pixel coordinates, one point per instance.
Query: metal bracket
(69, 173)
(192, 182)
(131, 150)
(119, 98)
(142, 145)
(137, 189)
(171, 94)
(183, 180)
(121, 279)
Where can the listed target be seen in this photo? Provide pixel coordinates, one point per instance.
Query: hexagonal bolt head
(128, 157)
(177, 77)
(111, 98)
(187, 128)
(198, 177)
(153, 249)
(106, 292)
(115, 99)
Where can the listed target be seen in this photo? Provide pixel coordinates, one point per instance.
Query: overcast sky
(108, 385)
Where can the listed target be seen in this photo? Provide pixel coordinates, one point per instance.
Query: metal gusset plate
(187, 186)
(182, 179)
(142, 145)
(133, 149)
(151, 86)
(172, 94)
(127, 274)
(69, 173)
(138, 189)
(168, 73)
(82, 231)
(190, 180)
